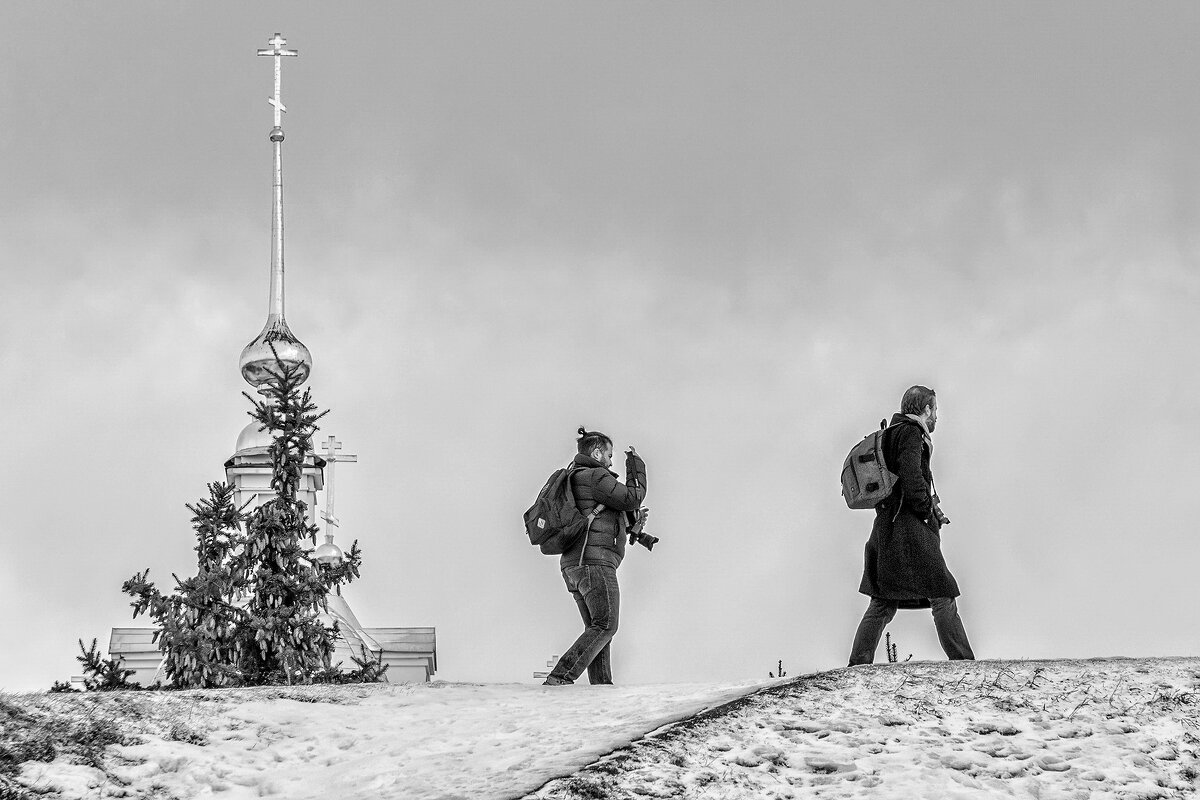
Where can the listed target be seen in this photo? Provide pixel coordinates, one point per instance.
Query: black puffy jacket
(594, 485)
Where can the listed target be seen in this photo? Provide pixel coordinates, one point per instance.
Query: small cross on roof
(332, 445)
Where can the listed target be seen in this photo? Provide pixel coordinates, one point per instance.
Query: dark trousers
(598, 598)
(879, 613)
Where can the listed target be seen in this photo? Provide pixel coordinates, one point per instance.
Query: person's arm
(626, 496)
(909, 449)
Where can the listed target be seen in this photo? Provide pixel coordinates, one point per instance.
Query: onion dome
(328, 553)
(257, 362)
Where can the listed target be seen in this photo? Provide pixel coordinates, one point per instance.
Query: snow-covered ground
(1096, 729)
(1088, 729)
(437, 740)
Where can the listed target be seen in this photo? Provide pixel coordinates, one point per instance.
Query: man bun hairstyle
(915, 400)
(590, 440)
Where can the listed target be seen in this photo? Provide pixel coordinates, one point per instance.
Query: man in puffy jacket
(903, 564)
(589, 568)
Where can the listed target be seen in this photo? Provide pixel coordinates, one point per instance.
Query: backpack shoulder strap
(590, 519)
(595, 512)
(591, 516)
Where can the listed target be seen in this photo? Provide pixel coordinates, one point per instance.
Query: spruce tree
(198, 622)
(283, 639)
(250, 616)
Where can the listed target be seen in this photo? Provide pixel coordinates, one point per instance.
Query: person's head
(921, 401)
(596, 445)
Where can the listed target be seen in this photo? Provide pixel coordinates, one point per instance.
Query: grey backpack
(866, 480)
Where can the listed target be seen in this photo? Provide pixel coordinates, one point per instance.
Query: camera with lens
(636, 534)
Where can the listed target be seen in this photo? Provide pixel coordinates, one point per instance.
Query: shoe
(553, 681)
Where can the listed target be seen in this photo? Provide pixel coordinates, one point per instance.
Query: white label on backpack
(541, 523)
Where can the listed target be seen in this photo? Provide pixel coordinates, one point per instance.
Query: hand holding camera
(635, 466)
(636, 534)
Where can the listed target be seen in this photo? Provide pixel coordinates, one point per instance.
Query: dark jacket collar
(582, 460)
(904, 419)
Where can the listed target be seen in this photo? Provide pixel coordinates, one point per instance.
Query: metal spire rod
(259, 359)
(277, 52)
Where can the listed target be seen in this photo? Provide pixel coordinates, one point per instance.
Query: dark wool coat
(594, 485)
(903, 560)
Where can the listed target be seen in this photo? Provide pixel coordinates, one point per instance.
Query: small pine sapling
(891, 649)
(370, 670)
(103, 674)
(781, 674)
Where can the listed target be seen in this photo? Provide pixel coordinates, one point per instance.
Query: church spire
(257, 361)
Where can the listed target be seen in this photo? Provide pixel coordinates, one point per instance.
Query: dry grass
(79, 728)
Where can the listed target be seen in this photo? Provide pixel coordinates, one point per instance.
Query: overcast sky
(729, 234)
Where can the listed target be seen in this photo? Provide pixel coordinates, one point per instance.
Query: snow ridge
(1103, 728)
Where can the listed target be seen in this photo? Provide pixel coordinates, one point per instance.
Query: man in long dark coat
(903, 565)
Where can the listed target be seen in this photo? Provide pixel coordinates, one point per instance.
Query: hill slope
(1100, 728)
(437, 740)
(1103, 728)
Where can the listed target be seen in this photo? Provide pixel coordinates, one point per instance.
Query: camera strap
(590, 518)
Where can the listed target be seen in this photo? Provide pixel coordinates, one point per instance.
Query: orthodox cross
(277, 42)
(331, 457)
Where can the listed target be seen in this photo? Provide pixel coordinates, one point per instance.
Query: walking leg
(598, 600)
(599, 671)
(866, 639)
(950, 630)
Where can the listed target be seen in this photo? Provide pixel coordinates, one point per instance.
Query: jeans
(598, 597)
(879, 613)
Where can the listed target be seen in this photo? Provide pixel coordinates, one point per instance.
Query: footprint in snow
(829, 766)
(997, 747)
(818, 726)
(964, 761)
(1073, 732)
(993, 726)
(1052, 763)
(1009, 769)
(893, 720)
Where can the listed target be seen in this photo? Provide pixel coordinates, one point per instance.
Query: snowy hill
(1098, 728)
(1104, 728)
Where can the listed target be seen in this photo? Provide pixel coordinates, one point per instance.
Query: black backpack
(553, 522)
